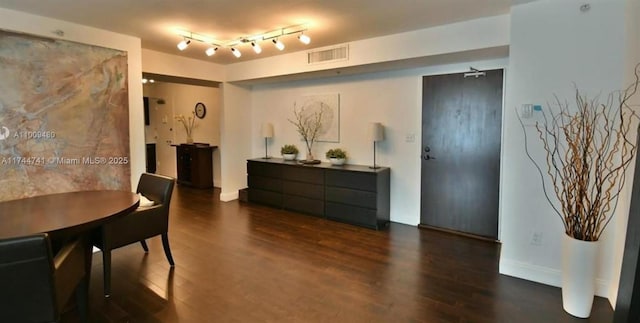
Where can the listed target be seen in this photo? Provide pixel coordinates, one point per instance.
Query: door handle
(426, 155)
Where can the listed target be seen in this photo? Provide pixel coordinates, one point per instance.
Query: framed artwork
(64, 113)
(329, 105)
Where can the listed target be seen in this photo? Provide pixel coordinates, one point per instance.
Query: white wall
(181, 99)
(553, 45)
(392, 98)
(235, 139)
(176, 65)
(37, 25)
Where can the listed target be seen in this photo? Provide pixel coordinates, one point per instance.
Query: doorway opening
(169, 97)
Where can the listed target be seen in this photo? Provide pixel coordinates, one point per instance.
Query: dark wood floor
(238, 262)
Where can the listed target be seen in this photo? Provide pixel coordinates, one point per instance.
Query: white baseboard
(544, 275)
(226, 197)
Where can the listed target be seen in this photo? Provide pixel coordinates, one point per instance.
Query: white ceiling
(330, 22)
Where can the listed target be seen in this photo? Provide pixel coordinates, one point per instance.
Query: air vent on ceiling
(340, 53)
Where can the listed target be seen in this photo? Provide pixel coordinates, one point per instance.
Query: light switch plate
(410, 137)
(530, 114)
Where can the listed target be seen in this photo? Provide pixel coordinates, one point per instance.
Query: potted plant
(289, 152)
(336, 156)
(587, 150)
(308, 124)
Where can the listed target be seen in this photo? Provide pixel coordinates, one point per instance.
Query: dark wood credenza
(195, 165)
(352, 194)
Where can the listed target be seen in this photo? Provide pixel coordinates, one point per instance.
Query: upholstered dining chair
(143, 223)
(35, 286)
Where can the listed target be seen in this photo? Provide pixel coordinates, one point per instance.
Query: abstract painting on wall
(329, 105)
(64, 117)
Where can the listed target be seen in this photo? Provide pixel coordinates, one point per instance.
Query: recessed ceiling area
(158, 22)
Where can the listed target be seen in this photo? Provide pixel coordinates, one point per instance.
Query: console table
(195, 164)
(352, 194)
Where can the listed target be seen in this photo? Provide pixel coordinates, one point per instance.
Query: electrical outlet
(536, 238)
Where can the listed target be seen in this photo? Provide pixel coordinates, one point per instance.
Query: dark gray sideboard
(352, 194)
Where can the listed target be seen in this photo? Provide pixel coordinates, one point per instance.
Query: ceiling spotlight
(152, 81)
(184, 44)
(304, 39)
(210, 51)
(279, 45)
(144, 81)
(236, 52)
(256, 48)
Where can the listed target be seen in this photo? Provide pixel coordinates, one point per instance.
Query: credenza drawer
(303, 189)
(351, 214)
(351, 197)
(264, 169)
(303, 204)
(265, 183)
(354, 180)
(265, 197)
(303, 174)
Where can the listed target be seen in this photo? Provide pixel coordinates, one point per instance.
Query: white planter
(578, 275)
(337, 161)
(289, 156)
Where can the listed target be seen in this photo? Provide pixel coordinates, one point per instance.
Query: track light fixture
(211, 51)
(184, 44)
(273, 35)
(304, 39)
(256, 48)
(279, 45)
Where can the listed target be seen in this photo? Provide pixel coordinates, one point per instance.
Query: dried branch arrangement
(308, 125)
(188, 123)
(588, 151)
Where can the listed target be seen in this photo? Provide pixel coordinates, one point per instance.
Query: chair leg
(106, 268)
(144, 246)
(167, 249)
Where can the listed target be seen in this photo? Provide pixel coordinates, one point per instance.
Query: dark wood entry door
(461, 129)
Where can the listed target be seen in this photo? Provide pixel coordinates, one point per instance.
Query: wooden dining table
(63, 214)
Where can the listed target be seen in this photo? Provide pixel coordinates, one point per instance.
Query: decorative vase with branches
(188, 123)
(588, 150)
(308, 124)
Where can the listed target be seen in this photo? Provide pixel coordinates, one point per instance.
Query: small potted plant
(289, 152)
(337, 156)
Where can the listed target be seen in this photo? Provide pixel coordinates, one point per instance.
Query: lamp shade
(376, 131)
(267, 130)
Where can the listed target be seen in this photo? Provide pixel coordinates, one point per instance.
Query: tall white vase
(578, 275)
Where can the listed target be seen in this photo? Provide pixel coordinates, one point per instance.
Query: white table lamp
(267, 132)
(376, 133)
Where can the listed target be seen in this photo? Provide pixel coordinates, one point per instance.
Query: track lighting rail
(273, 35)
